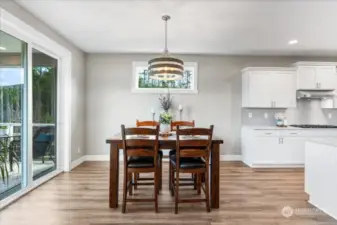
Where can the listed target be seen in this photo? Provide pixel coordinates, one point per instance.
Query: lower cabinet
(276, 151)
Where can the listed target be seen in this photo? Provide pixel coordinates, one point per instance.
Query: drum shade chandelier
(166, 67)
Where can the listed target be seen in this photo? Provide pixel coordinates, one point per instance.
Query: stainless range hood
(322, 94)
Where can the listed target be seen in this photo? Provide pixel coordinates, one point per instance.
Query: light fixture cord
(166, 50)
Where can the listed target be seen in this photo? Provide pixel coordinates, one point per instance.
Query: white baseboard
(225, 158)
(77, 162)
(275, 166)
(107, 158)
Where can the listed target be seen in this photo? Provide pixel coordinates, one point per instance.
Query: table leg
(215, 176)
(114, 172)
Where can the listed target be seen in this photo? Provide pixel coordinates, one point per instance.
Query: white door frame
(35, 39)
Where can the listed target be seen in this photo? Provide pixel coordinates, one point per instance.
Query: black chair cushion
(188, 163)
(142, 161)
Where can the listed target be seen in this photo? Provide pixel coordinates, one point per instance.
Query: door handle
(280, 140)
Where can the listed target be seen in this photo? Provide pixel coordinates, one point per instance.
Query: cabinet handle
(281, 140)
(293, 133)
(274, 104)
(319, 85)
(268, 133)
(316, 84)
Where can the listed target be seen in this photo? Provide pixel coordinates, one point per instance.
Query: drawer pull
(267, 133)
(293, 133)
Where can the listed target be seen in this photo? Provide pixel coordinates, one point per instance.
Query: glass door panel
(44, 113)
(13, 67)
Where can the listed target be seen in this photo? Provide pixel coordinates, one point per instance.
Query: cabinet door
(306, 78)
(266, 150)
(326, 77)
(292, 150)
(260, 90)
(284, 89)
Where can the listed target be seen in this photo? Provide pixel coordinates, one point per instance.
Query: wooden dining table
(115, 143)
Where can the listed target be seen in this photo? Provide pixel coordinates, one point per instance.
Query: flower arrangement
(165, 118)
(3, 127)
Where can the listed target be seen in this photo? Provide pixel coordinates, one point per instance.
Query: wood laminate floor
(248, 197)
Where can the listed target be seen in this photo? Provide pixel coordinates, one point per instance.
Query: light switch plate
(250, 115)
(265, 115)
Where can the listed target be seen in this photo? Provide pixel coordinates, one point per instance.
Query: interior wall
(78, 73)
(110, 102)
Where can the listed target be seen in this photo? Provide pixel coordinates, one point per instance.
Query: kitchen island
(321, 174)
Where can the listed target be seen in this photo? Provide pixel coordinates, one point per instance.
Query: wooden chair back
(140, 142)
(146, 123)
(174, 124)
(188, 145)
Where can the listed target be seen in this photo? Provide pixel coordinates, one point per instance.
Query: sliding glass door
(44, 113)
(26, 96)
(13, 122)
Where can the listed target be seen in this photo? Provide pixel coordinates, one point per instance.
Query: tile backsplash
(306, 112)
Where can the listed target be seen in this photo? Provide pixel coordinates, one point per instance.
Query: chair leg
(198, 181)
(176, 193)
(156, 189)
(130, 180)
(195, 180)
(170, 177)
(161, 174)
(125, 185)
(135, 180)
(207, 189)
(172, 180)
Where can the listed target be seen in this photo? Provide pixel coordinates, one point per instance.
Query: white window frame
(134, 84)
(35, 39)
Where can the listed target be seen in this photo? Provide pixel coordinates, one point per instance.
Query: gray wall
(110, 102)
(78, 73)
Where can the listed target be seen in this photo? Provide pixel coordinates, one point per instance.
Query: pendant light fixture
(166, 67)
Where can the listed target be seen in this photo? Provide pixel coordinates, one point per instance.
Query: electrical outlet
(330, 115)
(250, 115)
(266, 115)
(78, 150)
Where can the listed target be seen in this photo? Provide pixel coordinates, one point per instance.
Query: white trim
(276, 165)
(224, 158)
(12, 198)
(77, 162)
(247, 69)
(96, 158)
(105, 158)
(134, 81)
(315, 64)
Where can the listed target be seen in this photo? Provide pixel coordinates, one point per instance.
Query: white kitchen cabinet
(268, 88)
(316, 76)
(326, 77)
(279, 147)
(306, 78)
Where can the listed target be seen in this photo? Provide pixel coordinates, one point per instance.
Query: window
(44, 113)
(142, 83)
(13, 147)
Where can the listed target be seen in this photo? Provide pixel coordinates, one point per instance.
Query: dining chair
(136, 176)
(140, 147)
(193, 147)
(174, 125)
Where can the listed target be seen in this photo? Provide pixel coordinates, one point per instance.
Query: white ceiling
(197, 26)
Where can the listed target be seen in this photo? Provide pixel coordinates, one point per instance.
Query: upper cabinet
(316, 76)
(268, 87)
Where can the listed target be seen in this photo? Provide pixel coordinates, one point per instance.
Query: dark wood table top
(117, 139)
